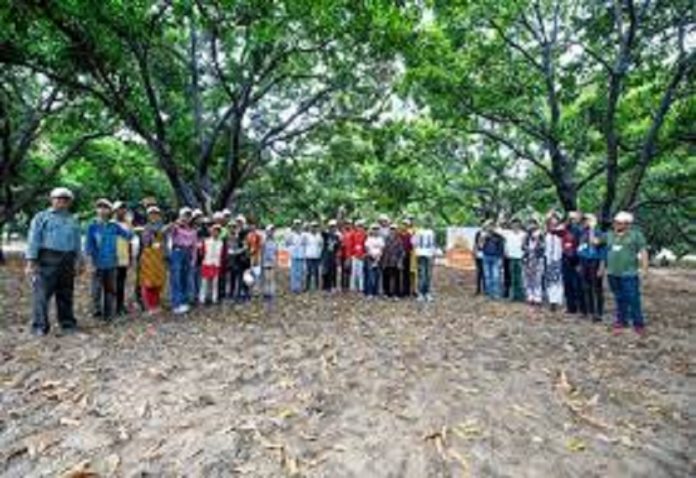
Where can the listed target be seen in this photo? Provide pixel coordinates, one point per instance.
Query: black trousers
(329, 275)
(55, 276)
(480, 284)
(507, 277)
(572, 285)
(405, 277)
(592, 287)
(345, 273)
(121, 275)
(391, 281)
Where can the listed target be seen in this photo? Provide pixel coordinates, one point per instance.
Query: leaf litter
(337, 385)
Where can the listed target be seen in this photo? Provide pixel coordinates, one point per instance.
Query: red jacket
(347, 243)
(358, 243)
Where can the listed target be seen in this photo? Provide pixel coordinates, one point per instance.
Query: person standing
(533, 261)
(570, 233)
(52, 261)
(627, 259)
(477, 252)
(212, 249)
(493, 247)
(124, 252)
(357, 268)
(184, 239)
(553, 250)
(329, 257)
(295, 242)
(240, 258)
(424, 248)
(314, 244)
(405, 236)
(269, 261)
(514, 241)
(592, 252)
(152, 260)
(345, 254)
(100, 246)
(374, 248)
(392, 262)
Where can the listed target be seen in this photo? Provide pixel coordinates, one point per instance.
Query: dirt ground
(339, 386)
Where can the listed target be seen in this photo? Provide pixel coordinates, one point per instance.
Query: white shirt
(295, 242)
(423, 242)
(212, 249)
(374, 246)
(313, 245)
(514, 241)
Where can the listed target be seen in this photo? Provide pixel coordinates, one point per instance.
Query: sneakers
(420, 298)
(640, 330)
(617, 329)
(429, 298)
(182, 309)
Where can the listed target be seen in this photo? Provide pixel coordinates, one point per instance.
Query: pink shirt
(184, 237)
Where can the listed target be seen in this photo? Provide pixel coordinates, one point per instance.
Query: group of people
(197, 260)
(565, 262)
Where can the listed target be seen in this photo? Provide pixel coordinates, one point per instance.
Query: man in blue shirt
(52, 255)
(100, 246)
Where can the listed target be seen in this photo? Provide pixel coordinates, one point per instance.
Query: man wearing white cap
(626, 255)
(101, 247)
(313, 247)
(52, 255)
(295, 242)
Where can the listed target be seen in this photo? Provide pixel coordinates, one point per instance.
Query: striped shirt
(52, 229)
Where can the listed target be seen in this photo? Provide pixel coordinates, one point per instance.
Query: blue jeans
(626, 290)
(180, 270)
(312, 275)
(425, 274)
(374, 274)
(297, 274)
(491, 275)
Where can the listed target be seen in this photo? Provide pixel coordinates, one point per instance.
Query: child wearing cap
(211, 251)
(100, 246)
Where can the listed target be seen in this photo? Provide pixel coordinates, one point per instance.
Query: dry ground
(338, 386)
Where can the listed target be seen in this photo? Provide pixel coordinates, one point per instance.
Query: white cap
(383, 217)
(153, 210)
(332, 222)
(360, 222)
(623, 216)
(104, 202)
(296, 222)
(184, 211)
(226, 212)
(62, 193)
(119, 204)
(239, 218)
(218, 216)
(270, 227)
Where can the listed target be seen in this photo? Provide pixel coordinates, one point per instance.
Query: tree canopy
(465, 109)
